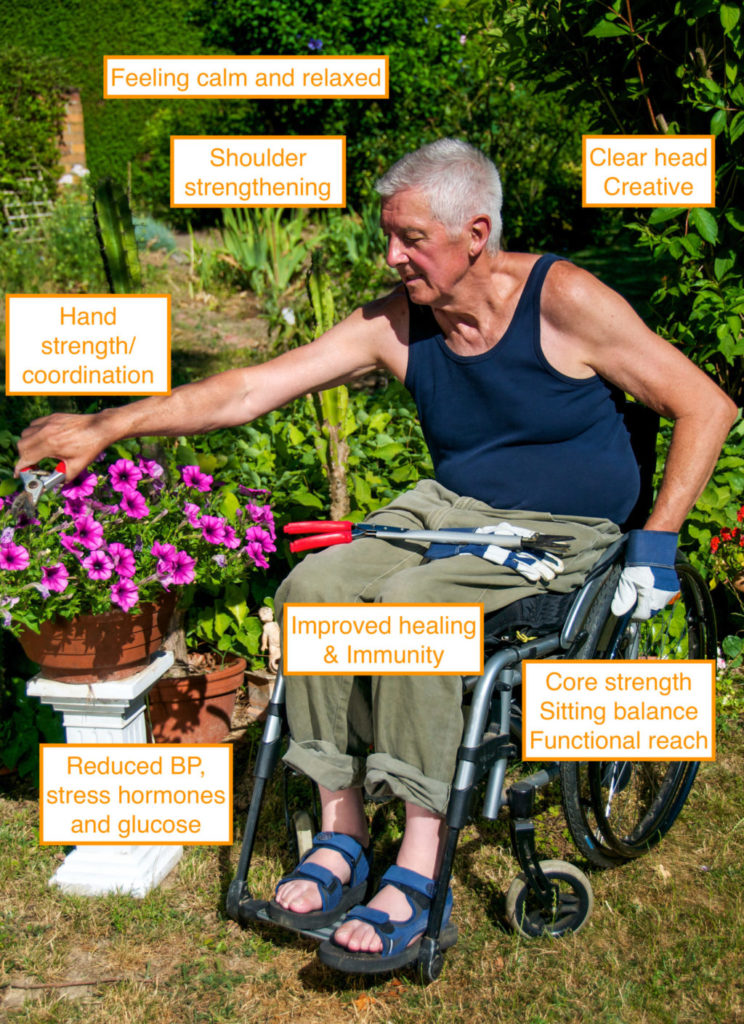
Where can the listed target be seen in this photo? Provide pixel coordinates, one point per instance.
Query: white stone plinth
(98, 870)
(108, 712)
(111, 712)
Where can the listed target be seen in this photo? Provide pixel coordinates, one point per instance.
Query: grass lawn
(665, 943)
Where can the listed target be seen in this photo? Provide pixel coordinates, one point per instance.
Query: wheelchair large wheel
(617, 810)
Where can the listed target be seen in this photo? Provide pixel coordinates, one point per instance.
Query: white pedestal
(111, 712)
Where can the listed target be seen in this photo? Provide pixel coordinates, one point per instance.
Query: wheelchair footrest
(256, 910)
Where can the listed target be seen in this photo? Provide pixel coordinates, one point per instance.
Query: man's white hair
(458, 181)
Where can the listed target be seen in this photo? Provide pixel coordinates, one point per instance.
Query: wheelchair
(615, 810)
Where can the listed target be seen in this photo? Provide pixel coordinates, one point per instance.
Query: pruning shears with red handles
(324, 533)
(35, 483)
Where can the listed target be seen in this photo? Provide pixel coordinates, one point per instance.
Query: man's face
(430, 262)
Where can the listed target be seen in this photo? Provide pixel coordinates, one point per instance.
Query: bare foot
(420, 851)
(302, 897)
(343, 812)
(360, 937)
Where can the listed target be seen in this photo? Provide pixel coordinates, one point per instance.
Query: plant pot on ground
(213, 639)
(194, 702)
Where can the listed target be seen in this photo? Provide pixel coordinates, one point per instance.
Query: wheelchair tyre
(617, 810)
(572, 908)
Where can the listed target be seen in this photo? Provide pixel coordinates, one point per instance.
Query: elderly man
(514, 362)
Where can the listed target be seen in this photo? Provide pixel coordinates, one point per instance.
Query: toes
(358, 938)
(300, 898)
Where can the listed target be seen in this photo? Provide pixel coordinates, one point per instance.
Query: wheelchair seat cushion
(536, 615)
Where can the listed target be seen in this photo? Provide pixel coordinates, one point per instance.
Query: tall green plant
(116, 238)
(331, 407)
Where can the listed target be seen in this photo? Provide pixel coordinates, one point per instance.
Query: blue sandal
(336, 897)
(397, 948)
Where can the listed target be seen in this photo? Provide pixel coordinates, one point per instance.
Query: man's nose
(395, 252)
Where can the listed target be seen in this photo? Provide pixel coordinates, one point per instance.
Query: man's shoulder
(569, 291)
(394, 303)
(387, 317)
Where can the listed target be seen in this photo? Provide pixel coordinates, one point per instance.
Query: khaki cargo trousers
(398, 735)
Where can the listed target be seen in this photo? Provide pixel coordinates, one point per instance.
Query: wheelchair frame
(535, 903)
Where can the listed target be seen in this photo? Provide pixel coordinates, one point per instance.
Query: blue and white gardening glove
(533, 565)
(649, 579)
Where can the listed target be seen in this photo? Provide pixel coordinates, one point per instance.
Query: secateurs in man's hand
(324, 533)
(35, 483)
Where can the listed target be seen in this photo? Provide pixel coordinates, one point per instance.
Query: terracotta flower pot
(98, 648)
(196, 708)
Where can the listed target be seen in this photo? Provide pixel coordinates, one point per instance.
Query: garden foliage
(63, 257)
(78, 33)
(32, 110)
(672, 67)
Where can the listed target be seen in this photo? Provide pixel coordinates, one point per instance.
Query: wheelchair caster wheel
(302, 824)
(571, 910)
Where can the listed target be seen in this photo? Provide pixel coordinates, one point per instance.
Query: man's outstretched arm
(369, 339)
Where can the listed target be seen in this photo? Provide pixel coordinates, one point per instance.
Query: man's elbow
(726, 412)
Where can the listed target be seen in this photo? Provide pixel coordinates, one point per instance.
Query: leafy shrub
(65, 257)
(672, 69)
(152, 234)
(32, 109)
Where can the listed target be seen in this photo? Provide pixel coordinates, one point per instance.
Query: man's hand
(73, 439)
(649, 579)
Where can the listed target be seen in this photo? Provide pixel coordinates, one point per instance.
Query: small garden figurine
(270, 638)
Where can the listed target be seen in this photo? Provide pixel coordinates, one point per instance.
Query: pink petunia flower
(253, 492)
(163, 551)
(150, 468)
(76, 507)
(13, 557)
(81, 487)
(125, 594)
(133, 504)
(55, 577)
(99, 565)
(70, 543)
(124, 475)
(254, 534)
(255, 552)
(231, 539)
(213, 529)
(88, 532)
(260, 513)
(183, 568)
(192, 513)
(122, 559)
(192, 476)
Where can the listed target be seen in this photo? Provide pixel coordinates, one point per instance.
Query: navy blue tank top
(507, 428)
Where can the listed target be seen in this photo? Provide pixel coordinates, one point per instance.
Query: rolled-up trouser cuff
(323, 763)
(388, 777)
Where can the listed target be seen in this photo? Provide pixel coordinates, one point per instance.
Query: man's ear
(479, 231)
